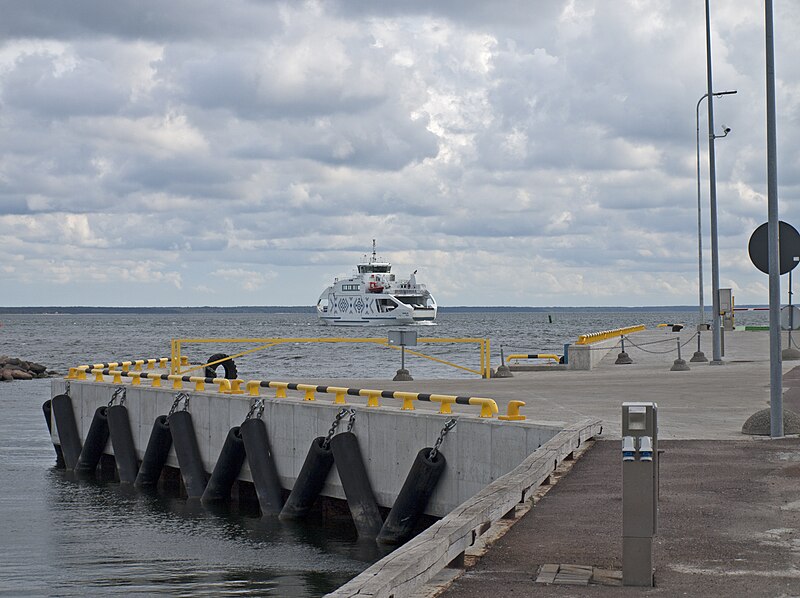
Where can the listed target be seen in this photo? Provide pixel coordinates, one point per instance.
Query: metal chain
(119, 392)
(352, 421)
(449, 425)
(641, 347)
(66, 388)
(181, 396)
(334, 425)
(257, 409)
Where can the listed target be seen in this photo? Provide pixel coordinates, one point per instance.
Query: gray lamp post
(712, 178)
(702, 316)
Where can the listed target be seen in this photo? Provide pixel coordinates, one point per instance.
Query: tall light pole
(775, 368)
(702, 316)
(712, 178)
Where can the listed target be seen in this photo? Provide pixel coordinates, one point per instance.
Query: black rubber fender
(309, 482)
(355, 482)
(47, 409)
(231, 373)
(119, 428)
(155, 455)
(95, 443)
(413, 498)
(188, 452)
(262, 466)
(67, 429)
(227, 468)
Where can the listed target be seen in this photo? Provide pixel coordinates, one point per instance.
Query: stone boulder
(13, 368)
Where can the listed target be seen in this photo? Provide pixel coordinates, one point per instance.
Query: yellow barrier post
(309, 389)
(372, 397)
(177, 381)
(136, 378)
(280, 389)
(253, 387)
(445, 402)
(408, 399)
(488, 406)
(199, 383)
(98, 375)
(339, 394)
(155, 381)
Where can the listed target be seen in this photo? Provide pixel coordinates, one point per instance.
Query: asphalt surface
(729, 525)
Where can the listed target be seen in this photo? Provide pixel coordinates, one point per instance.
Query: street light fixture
(726, 130)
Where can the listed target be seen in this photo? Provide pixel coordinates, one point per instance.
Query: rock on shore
(12, 368)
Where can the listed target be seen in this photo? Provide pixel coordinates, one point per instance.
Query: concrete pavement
(707, 402)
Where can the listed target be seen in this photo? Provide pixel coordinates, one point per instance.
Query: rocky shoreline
(12, 368)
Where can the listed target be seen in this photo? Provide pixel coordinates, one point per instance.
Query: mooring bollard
(679, 365)
(623, 358)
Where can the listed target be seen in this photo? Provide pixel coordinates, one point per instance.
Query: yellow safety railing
(488, 407)
(594, 337)
(264, 343)
(138, 365)
(518, 356)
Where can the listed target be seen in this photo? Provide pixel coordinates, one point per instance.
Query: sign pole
(775, 368)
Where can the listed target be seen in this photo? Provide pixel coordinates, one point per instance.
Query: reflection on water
(67, 537)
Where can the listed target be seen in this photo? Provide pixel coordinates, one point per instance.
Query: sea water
(62, 537)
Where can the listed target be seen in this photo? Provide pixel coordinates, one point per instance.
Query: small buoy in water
(549, 318)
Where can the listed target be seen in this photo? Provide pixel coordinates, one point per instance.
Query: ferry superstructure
(373, 296)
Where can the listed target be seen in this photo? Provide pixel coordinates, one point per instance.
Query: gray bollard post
(639, 491)
(623, 358)
(679, 365)
(698, 356)
(503, 371)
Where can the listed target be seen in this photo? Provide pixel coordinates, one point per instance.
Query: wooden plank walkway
(403, 571)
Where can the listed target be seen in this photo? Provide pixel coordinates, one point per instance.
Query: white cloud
(513, 156)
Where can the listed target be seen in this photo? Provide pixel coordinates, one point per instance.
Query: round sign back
(789, 247)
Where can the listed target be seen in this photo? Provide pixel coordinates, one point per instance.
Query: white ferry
(372, 296)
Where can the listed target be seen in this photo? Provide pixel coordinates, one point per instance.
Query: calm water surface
(61, 537)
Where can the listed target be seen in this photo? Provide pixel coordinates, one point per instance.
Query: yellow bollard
(156, 381)
(253, 387)
(513, 411)
(151, 364)
(136, 378)
(235, 387)
(177, 381)
(199, 382)
(137, 365)
(98, 375)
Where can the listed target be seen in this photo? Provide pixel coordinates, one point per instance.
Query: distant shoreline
(302, 309)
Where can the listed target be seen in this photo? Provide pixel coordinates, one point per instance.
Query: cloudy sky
(196, 152)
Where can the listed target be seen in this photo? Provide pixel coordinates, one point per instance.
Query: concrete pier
(478, 450)
(729, 515)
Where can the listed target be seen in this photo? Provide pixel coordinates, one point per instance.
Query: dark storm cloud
(136, 19)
